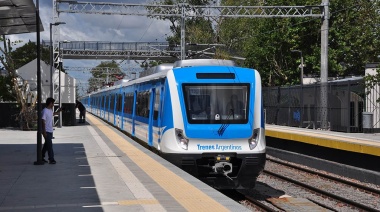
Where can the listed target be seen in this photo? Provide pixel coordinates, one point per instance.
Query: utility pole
(52, 58)
(324, 64)
(39, 107)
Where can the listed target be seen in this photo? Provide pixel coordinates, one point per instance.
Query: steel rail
(325, 193)
(343, 181)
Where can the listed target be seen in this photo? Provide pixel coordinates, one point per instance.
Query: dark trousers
(48, 146)
(82, 116)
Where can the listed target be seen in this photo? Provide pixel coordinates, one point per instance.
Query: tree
(372, 81)
(266, 43)
(11, 61)
(27, 53)
(105, 72)
(6, 91)
(197, 30)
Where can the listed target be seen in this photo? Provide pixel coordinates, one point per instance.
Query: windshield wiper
(224, 126)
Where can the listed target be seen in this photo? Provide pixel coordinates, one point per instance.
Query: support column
(324, 65)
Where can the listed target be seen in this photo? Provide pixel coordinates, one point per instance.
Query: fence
(300, 106)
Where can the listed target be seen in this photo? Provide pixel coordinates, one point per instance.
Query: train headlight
(181, 139)
(254, 140)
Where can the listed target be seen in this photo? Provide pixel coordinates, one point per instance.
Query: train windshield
(216, 103)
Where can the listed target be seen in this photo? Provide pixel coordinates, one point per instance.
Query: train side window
(128, 103)
(143, 104)
(112, 102)
(119, 102)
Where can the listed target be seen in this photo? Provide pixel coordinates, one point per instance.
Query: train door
(127, 112)
(118, 109)
(122, 111)
(151, 114)
(159, 114)
(134, 113)
(108, 107)
(112, 108)
(104, 106)
(97, 105)
(114, 96)
(101, 107)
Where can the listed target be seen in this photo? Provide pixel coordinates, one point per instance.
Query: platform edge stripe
(190, 197)
(325, 142)
(138, 189)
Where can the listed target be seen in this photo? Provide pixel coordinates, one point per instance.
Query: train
(203, 115)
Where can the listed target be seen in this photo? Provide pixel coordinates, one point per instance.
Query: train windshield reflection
(216, 103)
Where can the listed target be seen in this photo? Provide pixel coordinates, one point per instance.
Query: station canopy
(18, 16)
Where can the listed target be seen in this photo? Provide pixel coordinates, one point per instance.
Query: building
(28, 72)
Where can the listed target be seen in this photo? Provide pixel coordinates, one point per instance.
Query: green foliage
(27, 53)
(13, 87)
(99, 77)
(266, 42)
(6, 93)
(197, 30)
(12, 60)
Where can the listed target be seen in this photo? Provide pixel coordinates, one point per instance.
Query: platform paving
(91, 174)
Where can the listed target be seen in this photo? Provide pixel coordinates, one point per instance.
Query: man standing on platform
(47, 129)
(82, 111)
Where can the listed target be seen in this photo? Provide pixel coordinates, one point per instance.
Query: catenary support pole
(39, 124)
(324, 65)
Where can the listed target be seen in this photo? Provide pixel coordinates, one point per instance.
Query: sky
(93, 27)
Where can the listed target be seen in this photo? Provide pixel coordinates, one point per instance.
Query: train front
(218, 125)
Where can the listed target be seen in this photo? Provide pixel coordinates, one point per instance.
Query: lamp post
(51, 56)
(59, 79)
(299, 51)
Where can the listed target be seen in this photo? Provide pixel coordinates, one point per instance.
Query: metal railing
(300, 106)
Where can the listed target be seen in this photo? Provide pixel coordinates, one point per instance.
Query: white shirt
(47, 115)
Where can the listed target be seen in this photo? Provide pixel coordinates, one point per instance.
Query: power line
(146, 30)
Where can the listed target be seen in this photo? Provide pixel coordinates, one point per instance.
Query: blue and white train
(205, 116)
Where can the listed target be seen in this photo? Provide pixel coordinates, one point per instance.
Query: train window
(112, 103)
(142, 104)
(216, 103)
(128, 103)
(119, 102)
(156, 104)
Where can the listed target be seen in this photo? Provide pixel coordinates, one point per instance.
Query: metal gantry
(128, 50)
(119, 50)
(184, 11)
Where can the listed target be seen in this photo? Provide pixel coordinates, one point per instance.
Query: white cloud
(89, 27)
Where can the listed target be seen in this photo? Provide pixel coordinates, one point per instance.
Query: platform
(353, 142)
(353, 155)
(98, 169)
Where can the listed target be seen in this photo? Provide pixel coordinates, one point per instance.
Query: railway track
(249, 202)
(341, 198)
(330, 177)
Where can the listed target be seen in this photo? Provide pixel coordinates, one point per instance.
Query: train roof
(160, 71)
(203, 62)
(156, 69)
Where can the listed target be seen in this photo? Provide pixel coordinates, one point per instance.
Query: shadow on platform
(65, 186)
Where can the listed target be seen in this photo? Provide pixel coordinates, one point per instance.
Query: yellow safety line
(329, 141)
(190, 197)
